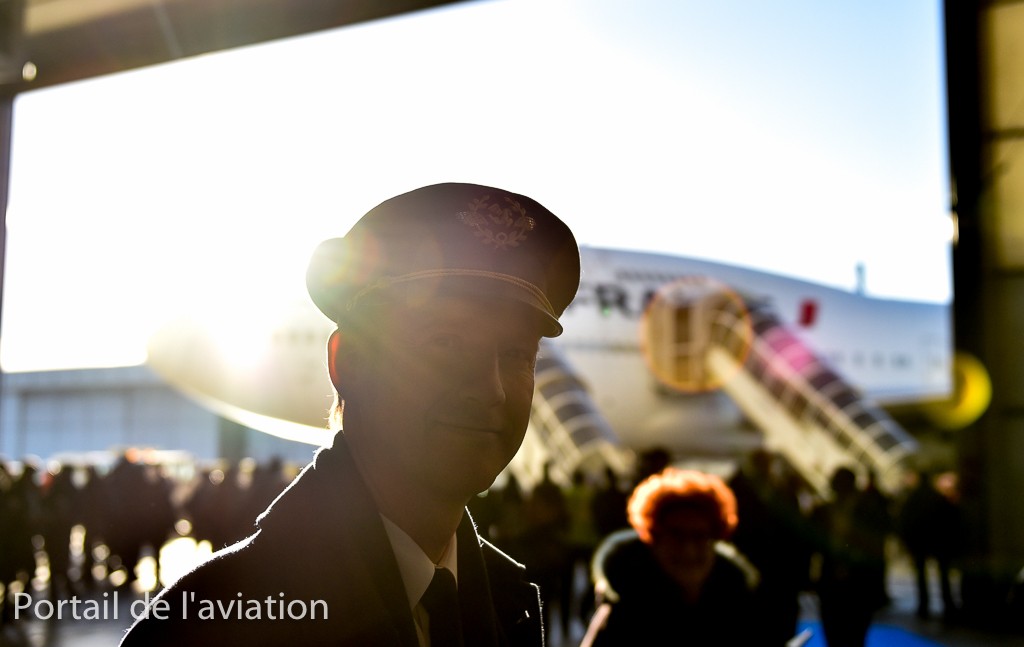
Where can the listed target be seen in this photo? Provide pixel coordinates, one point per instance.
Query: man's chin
(463, 483)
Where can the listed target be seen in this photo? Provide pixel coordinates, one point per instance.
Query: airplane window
(901, 361)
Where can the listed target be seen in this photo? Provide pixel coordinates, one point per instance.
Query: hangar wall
(52, 414)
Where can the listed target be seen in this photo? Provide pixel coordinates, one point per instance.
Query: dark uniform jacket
(321, 552)
(644, 606)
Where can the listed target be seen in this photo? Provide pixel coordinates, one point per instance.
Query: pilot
(441, 296)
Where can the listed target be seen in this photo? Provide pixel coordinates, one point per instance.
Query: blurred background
(845, 173)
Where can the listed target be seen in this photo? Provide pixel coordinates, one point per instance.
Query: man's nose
(481, 379)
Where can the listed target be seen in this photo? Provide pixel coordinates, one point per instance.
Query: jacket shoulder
(517, 602)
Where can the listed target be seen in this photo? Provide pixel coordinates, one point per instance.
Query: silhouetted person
(581, 540)
(544, 542)
(931, 528)
(27, 495)
(486, 510)
(609, 505)
(650, 462)
(879, 524)
(140, 514)
(91, 513)
(846, 586)
(511, 522)
(58, 517)
(218, 508)
(774, 535)
(265, 483)
(21, 523)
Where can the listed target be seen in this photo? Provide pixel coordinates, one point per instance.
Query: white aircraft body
(802, 373)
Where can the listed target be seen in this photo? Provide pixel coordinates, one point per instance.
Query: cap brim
(421, 290)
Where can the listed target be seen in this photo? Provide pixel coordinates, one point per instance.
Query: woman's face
(683, 542)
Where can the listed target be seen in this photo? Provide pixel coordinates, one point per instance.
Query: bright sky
(798, 136)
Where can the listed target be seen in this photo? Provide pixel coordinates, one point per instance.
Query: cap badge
(495, 225)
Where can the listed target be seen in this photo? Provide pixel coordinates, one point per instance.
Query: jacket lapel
(479, 621)
(350, 553)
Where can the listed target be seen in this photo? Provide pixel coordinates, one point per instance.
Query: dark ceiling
(68, 40)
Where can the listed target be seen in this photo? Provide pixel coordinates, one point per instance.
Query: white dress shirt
(417, 571)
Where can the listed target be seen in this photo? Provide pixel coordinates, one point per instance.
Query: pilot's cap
(450, 238)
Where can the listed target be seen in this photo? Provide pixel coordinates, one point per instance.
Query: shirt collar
(414, 566)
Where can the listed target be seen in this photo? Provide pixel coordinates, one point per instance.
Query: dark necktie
(442, 604)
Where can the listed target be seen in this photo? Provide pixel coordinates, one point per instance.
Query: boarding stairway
(567, 431)
(713, 338)
(700, 337)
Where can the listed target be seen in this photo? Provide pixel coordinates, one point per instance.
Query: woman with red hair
(672, 579)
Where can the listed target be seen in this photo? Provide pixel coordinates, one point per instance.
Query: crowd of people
(89, 526)
(785, 540)
(778, 543)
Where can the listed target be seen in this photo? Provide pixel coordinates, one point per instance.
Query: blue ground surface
(878, 636)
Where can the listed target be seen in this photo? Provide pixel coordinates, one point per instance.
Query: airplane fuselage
(892, 350)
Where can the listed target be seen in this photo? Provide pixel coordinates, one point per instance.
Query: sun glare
(188, 187)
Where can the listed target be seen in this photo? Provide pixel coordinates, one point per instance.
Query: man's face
(446, 390)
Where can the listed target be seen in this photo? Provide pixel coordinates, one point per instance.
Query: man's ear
(336, 358)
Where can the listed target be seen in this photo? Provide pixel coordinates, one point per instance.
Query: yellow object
(972, 393)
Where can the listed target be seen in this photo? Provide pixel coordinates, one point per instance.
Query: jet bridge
(701, 336)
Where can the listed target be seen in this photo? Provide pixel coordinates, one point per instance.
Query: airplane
(703, 359)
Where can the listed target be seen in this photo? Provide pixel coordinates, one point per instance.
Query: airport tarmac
(112, 613)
